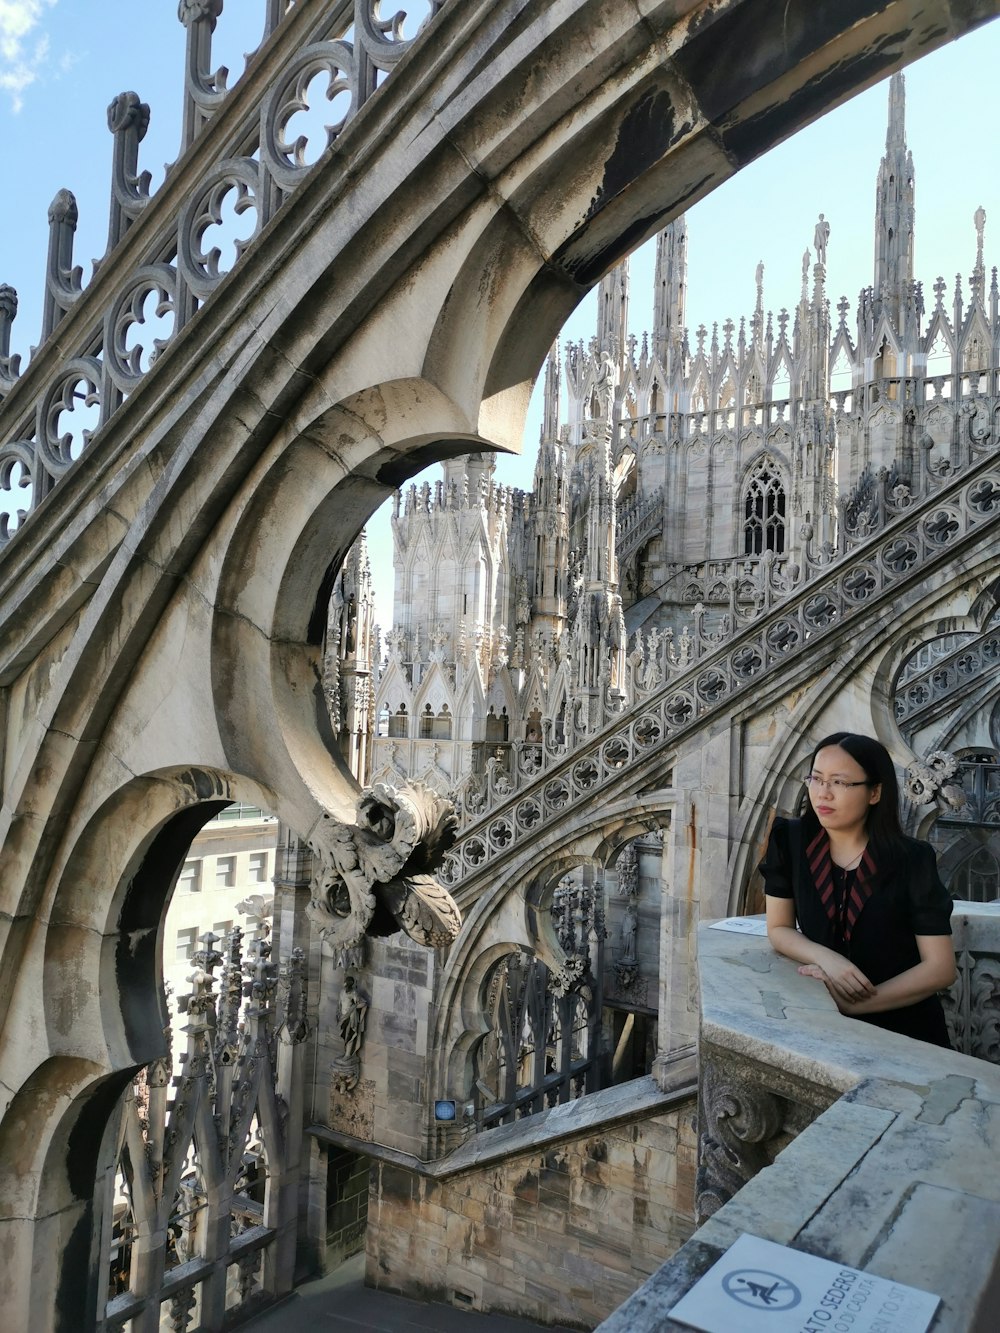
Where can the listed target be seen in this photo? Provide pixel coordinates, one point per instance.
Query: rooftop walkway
(341, 1303)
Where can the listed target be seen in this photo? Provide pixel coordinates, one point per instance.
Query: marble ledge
(895, 1176)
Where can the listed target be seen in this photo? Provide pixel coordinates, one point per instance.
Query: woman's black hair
(882, 825)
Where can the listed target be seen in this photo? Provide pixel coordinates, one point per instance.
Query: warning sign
(758, 1285)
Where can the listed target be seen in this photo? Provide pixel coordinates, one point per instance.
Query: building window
(764, 510)
(258, 867)
(222, 929)
(187, 942)
(441, 730)
(225, 872)
(427, 724)
(189, 880)
(398, 727)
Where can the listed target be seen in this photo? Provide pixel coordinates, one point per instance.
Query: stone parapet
(900, 1164)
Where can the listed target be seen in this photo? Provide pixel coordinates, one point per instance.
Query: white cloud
(21, 55)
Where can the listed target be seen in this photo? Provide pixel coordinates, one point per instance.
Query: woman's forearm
(791, 943)
(909, 987)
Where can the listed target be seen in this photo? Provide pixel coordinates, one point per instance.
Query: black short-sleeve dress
(904, 899)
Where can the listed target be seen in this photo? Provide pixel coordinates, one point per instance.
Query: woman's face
(841, 808)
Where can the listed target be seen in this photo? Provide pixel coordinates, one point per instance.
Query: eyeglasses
(832, 784)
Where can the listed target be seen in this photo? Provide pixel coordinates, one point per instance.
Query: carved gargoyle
(375, 877)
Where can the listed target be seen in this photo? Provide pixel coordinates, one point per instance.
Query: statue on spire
(820, 237)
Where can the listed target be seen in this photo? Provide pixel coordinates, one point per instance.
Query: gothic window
(977, 879)
(764, 510)
(841, 373)
(939, 356)
(441, 730)
(533, 727)
(399, 723)
(427, 723)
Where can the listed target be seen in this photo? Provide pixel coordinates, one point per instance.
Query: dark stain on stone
(395, 1183)
(756, 42)
(404, 466)
(526, 1191)
(586, 269)
(597, 1150)
(204, 785)
(83, 1144)
(647, 131)
(750, 138)
(76, 1291)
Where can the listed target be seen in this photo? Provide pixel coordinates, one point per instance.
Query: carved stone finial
(375, 877)
(63, 209)
(191, 11)
(127, 112)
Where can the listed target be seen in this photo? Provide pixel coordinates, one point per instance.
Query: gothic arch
(511, 907)
(203, 515)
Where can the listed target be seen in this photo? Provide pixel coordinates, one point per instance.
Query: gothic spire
(670, 289)
(553, 375)
(894, 212)
(612, 311)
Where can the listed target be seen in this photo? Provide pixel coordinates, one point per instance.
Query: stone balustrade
(840, 1139)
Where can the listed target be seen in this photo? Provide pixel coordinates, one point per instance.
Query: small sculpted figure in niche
(353, 1010)
(630, 924)
(856, 902)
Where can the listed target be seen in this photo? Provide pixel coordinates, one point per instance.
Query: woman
(873, 915)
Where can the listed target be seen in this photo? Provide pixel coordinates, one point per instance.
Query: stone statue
(353, 1010)
(630, 923)
(374, 877)
(820, 237)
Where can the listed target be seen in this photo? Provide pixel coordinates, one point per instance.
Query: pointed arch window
(885, 363)
(764, 510)
(978, 878)
(399, 723)
(427, 723)
(497, 728)
(441, 730)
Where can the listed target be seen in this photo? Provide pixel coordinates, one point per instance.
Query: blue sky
(62, 61)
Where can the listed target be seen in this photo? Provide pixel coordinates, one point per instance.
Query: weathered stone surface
(902, 1159)
(159, 653)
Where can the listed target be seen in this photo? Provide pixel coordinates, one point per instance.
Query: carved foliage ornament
(739, 1122)
(375, 877)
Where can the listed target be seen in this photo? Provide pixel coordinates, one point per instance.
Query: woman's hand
(845, 982)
